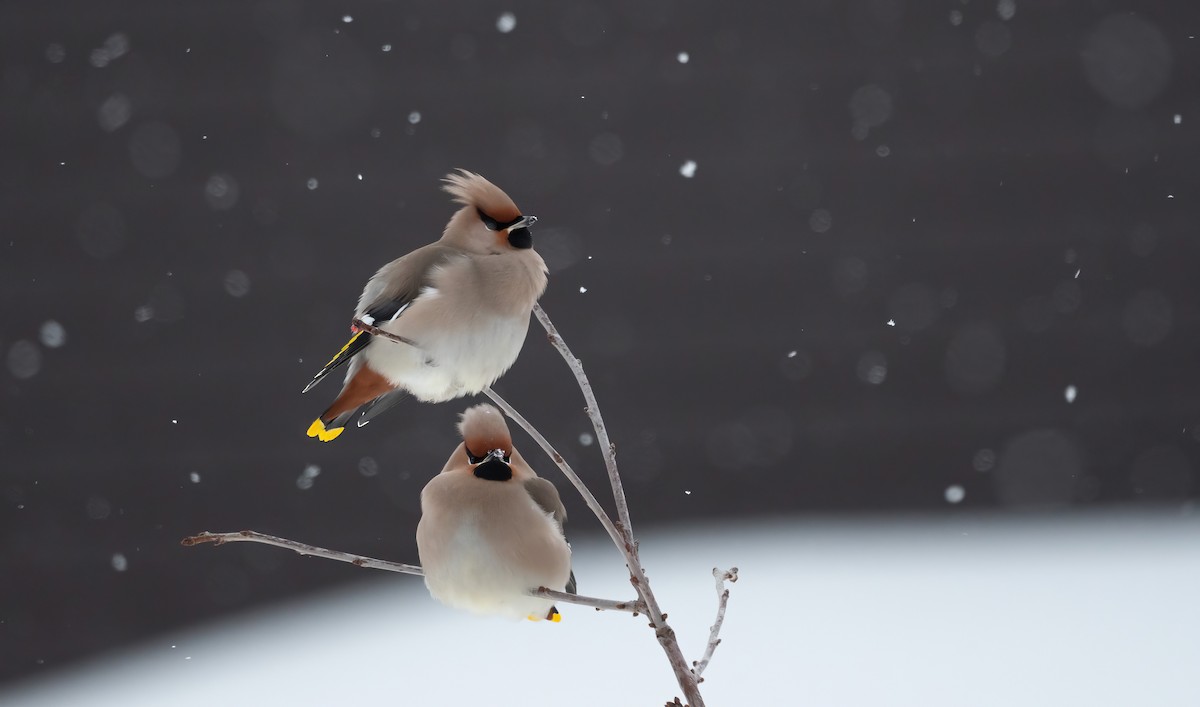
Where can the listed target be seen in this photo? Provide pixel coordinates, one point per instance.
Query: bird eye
(472, 458)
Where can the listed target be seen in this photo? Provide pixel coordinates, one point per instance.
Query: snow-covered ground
(1086, 610)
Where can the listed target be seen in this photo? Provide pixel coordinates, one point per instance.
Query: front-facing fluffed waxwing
(491, 529)
(462, 303)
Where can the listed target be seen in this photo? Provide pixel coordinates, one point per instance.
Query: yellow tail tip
(556, 617)
(317, 429)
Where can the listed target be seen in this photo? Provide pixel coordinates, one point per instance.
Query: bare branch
(634, 607)
(249, 536)
(688, 681)
(721, 576)
(621, 531)
(593, 411)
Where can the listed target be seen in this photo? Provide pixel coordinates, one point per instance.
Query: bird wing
(387, 295)
(545, 495)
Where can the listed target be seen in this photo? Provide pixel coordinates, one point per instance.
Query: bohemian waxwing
(463, 301)
(491, 529)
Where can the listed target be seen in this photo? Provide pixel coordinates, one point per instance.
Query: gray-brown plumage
(464, 301)
(491, 529)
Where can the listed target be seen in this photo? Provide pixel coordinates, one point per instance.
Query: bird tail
(363, 386)
(327, 430)
(357, 343)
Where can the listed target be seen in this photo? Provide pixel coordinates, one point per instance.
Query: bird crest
(470, 189)
(483, 429)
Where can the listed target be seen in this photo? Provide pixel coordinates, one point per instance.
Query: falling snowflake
(52, 334)
(310, 473)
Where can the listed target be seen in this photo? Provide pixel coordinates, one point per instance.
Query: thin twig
(376, 331)
(250, 536)
(551, 452)
(688, 681)
(721, 576)
(593, 411)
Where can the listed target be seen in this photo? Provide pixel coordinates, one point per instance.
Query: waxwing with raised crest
(462, 304)
(491, 529)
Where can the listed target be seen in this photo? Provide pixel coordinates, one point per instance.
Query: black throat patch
(494, 470)
(520, 238)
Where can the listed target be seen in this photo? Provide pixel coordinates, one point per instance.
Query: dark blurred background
(872, 256)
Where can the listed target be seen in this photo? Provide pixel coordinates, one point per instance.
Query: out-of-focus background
(867, 260)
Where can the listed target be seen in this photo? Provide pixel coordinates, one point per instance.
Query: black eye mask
(494, 225)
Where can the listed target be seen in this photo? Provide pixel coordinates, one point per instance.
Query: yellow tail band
(317, 429)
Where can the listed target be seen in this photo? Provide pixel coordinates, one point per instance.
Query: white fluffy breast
(469, 327)
(485, 544)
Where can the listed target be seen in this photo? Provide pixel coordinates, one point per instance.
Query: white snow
(688, 169)
(506, 22)
(1094, 610)
(1069, 393)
